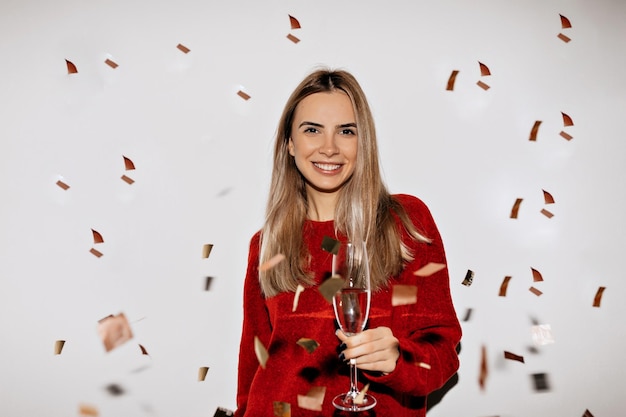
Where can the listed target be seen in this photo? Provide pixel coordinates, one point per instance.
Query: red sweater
(428, 332)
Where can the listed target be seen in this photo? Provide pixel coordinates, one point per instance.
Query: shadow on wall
(435, 397)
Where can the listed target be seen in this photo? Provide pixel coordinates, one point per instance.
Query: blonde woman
(326, 182)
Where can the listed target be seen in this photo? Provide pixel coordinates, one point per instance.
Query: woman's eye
(348, 132)
(310, 130)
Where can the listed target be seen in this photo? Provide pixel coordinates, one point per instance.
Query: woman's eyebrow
(305, 123)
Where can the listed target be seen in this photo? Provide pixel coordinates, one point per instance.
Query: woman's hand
(374, 349)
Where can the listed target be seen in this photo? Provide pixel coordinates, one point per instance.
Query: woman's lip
(327, 167)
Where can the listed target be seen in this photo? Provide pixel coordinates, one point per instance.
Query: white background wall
(203, 156)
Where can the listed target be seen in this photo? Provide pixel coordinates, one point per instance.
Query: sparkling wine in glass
(352, 304)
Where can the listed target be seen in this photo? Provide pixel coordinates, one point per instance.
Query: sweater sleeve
(256, 322)
(428, 331)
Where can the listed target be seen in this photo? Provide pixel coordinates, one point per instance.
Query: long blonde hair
(364, 209)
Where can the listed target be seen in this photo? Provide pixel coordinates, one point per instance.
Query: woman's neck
(321, 206)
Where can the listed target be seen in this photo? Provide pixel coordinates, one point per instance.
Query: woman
(326, 182)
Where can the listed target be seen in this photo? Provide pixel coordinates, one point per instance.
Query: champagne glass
(351, 304)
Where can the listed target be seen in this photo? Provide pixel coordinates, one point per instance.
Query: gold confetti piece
(111, 63)
(292, 38)
(206, 250)
(87, 410)
(127, 179)
(294, 22)
(95, 252)
(547, 197)
(128, 164)
(429, 269)
(540, 381)
(469, 278)
(484, 70)
(223, 412)
(565, 23)
(243, 95)
(504, 285)
(114, 331)
(183, 48)
(598, 298)
(512, 356)
(564, 38)
(483, 85)
(202, 373)
(451, 80)
(296, 297)
(272, 262)
(567, 121)
(547, 213)
(281, 409)
(313, 399)
(261, 352)
(587, 414)
(58, 346)
(62, 185)
(515, 209)
(542, 334)
(482, 378)
(115, 390)
(468, 314)
(534, 131)
(360, 398)
(143, 350)
(71, 68)
(536, 275)
(566, 135)
(330, 245)
(329, 288)
(535, 291)
(423, 365)
(403, 295)
(207, 283)
(97, 237)
(308, 344)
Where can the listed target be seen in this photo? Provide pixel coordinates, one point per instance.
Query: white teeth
(327, 167)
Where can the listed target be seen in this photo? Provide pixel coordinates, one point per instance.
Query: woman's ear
(290, 147)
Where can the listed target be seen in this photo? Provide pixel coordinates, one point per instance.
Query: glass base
(346, 402)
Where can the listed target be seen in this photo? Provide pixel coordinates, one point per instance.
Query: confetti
(127, 179)
(223, 412)
(261, 352)
(329, 288)
(429, 269)
(469, 278)
(207, 283)
(115, 390)
(128, 164)
(114, 331)
(293, 38)
(547, 213)
(95, 252)
(143, 350)
(542, 334)
(468, 314)
(565, 23)
(483, 85)
(295, 24)
(598, 298)
(206, 250)
(87, 410)
(62, 185)
(97, 237)
(202, 371)
(484, 70)
(360, 398)
(514, 357)
(566, 135)
(547, 197)
(504, 285)
(540, 382)
(403, 295)
(243, 95)
(534, 131)
(313, 399)
(567, 121)
(423, 365)
(281, 409)
(451, 80)
(587, 414)
(111, 63)
(308, 344)
(272, 262)
(515, 208)
(536, 275)
(58, 346)
(535, 291)
(183, 48)
(71, 68)
(296, 297)
(563, 38)
(330, 245)
(482, 378)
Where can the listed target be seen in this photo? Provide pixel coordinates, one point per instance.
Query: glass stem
(354, 390)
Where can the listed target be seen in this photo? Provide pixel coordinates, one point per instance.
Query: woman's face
(323, 141)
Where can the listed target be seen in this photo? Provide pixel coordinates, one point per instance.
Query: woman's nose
(329, 146)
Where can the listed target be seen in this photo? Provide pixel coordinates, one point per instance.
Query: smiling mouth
(327, 167)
